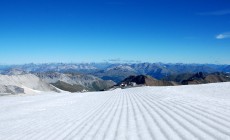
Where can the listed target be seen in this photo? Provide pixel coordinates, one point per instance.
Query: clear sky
(187, 31)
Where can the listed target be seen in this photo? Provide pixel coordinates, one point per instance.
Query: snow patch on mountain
(70, 82)
(26, 82)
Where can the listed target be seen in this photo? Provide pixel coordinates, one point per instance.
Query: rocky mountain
(119, 71)
(145, 80)
(182, 79)
(52, 67)
(202, 78)
(75, 82)
(227, 69)
(26, 83)
(9, 89)
(101, 76)
(14, 71)
(116, 73)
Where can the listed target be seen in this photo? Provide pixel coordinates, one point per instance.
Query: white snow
(194, 112)
(29, 82)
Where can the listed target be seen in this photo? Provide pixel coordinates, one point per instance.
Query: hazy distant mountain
(56, 67)
(102, 76)
(161, 70)
(178, 77)
(14, 71)
(156, 70)
(75, 82)
(227, 69)
(118, 71)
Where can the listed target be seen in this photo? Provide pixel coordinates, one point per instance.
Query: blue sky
(169, 31)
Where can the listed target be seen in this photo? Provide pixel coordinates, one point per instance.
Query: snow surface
(194, 112)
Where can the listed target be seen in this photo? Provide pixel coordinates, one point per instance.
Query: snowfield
(194, 112)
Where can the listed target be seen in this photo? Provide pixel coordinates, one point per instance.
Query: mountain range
(118, 71)
(102, 76)
(75, 82)
(182, 79)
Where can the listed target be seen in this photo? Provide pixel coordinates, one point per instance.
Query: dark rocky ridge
(184, 79)
(146, 80)
(202, 78)
(10, 89)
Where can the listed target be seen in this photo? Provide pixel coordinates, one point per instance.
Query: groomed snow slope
(175, 113)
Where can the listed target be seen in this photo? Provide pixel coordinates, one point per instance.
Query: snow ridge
(28, 82)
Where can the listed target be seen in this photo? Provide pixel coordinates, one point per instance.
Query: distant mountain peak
(15, 71)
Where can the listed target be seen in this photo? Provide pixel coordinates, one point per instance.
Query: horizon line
(41, 63)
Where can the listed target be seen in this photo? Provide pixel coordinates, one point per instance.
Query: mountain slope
(9, 89)
(202, 78)
(26, 81)
(146, 80)
(75, 82)
(116, 73)
(227, 69)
